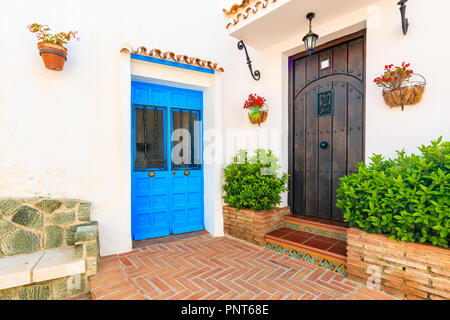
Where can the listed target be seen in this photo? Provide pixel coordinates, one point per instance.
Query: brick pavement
(198, 266)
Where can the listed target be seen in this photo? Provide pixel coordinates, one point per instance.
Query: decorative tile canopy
(261, 4)
(170, 56)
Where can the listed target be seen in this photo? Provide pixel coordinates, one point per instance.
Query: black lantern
(310, 39)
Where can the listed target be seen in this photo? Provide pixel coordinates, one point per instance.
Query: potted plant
(252, 191)
(398, 87)
(257, 109)
(51, 47)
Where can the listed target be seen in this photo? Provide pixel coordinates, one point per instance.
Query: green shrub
(407, 197)
(254, 183)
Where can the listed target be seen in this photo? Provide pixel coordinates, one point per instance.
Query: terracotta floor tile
(280, 232)
(298, 237)
(336, 223)
(319, 244)
(338, 249)
(326, 239)
(308, 218)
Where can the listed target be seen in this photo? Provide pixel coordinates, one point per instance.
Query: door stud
(324, 145)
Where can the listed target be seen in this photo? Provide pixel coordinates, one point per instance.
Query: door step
(327, 228)
(321, 243)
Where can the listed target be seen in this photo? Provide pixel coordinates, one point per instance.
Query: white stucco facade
(67, 134)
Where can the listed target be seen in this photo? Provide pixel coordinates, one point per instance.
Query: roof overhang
(276, 21)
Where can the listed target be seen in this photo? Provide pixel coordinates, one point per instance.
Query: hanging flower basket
(404, 96)
(258, 116)
(401, 87)
(257, 109)
(51, 47)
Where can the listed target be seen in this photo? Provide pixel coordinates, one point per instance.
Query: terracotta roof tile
(261, 4)
(235, 7)
(171, 56)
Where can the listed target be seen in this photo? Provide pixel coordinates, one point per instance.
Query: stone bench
(48, 248)
(39, 266)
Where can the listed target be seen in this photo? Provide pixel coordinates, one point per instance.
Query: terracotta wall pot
(53, 55)
(258, 118)
(404, 96)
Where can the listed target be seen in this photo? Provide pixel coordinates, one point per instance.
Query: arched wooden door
(326, 123)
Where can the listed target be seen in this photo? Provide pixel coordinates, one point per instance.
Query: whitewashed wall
(61, 134)
(424, 47)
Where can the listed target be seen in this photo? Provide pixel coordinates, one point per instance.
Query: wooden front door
(326, 123)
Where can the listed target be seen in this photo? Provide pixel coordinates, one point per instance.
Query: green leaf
(406, 197)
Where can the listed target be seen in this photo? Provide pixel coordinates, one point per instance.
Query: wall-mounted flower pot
(404, 96)
(53, 55)
(258, 117)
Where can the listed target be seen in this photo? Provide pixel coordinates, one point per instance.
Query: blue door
(167, 168)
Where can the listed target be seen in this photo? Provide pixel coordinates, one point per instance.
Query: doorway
(326, 123)
(167, 161)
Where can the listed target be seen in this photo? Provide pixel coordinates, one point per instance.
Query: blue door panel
(188, 202)
(170, 199)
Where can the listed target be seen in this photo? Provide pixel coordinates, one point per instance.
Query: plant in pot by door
(257, 109)
(254, 182)
(399, 88)
(50, 46)
(252, 192)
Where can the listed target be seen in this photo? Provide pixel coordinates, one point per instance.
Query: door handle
(186, 173)
(151, 174)
(324, 145)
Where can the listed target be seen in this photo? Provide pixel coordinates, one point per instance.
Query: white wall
(425, 47)
(61, 132)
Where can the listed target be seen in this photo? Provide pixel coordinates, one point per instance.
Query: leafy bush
(407, 197)
(253, 183)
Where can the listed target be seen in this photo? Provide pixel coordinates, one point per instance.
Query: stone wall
(49, 290)
(407, 270)
(30, 225)
(252, 226)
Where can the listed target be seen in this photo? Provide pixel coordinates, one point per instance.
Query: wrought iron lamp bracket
(405, 21)
(256, 75)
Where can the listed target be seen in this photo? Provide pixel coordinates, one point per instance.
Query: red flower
(254, 101)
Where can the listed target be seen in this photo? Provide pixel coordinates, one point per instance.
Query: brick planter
(407, 270)
(252, 226)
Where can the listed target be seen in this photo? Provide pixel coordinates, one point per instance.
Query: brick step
(327, 228)
(318, 250)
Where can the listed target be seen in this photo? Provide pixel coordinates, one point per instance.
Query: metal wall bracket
(405, 22)
(256, 75)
